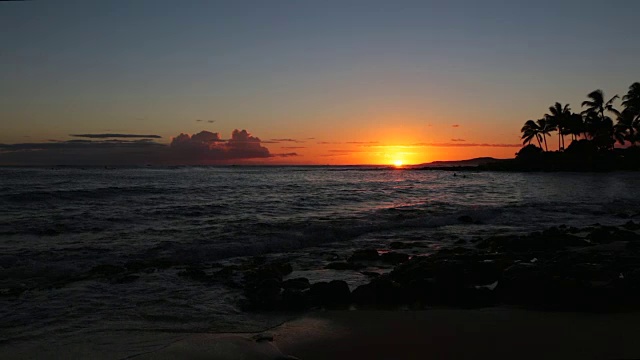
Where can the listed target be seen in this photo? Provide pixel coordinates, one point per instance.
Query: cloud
(455, 125)
(209, 121)
(458, 140)
(286, 140)
(293, 147)
(202, 148)
(328, 143)
(362, 142)
(208, 147)
(123, 136)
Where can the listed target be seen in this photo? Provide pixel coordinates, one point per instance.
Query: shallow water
(56, 225)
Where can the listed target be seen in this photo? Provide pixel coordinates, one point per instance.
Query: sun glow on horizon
(398, 163)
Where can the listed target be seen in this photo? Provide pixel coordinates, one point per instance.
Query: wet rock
(194, 274)
(552, 239)
(400, 245)
(394, 258)
(263, 337)
(295, 300)
(466, 219)
(630, 225)
(296, 284)
(370, 274)
(264, 294)
(364, 255)
(224, 273)
(106, 270)
(332, 295)
(342, 265)
(263, 285)
(380, 292)
(460, 242)
(125, 279)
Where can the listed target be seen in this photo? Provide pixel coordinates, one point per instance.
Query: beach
(491, 333)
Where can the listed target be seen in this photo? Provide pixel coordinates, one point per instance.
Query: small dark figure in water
(454, 174)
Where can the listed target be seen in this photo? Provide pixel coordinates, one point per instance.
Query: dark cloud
(458, 140)
(311, 138)
(122, 136)
(199, 120)
(455, 125)
(363, 142)
(208, 147)
(202, 148)
(211, 121)
(293, 147)
(328, 143)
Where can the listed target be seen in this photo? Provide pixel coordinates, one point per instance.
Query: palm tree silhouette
(575, 126)
(529, 131)
(599, 126)
(631, 103)
(596, 103)
(545, 129)
(624, 129)
(558, 118)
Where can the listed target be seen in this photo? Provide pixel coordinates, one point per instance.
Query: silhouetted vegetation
(602, 137)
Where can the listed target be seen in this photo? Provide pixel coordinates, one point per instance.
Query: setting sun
(397, 163)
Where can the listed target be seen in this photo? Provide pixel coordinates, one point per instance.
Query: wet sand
(493, 333)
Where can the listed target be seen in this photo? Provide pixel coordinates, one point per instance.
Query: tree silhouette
(599, 125)
(529, 131)
(558, 118)
(624, 129)
(545, 129)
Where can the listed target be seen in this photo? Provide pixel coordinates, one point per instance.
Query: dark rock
(465, 219)
(125, 279)
(194, 274)
(265, 294)
(380, 292)
(224, 273)
(364, 255)
(551, 239)
(296, 284)
(460, 242)
(106, 270)
(343, 266)
(394, 258)
(263, 337)
(370, 274)
(332, 295)
(295, 300)
(400, 245)
(630, 225)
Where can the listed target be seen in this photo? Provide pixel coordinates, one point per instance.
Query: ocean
(66, 234)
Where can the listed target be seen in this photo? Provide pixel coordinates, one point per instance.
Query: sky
(298, 82)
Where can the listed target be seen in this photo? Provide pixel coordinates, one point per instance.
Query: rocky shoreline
(561, 268)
